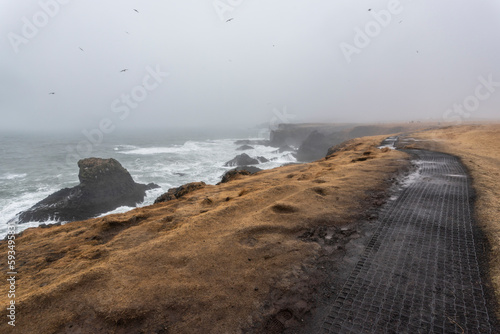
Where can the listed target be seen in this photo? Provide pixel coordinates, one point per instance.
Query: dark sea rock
(104, 186)
(174, 193)
(242, 160)
(251, 169)
(232, 174)
(244, 148)
(243, 170)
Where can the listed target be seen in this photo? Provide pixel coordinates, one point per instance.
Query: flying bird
(81, 49)
(228, 20)
(51, 93)
(124, 70)
(136, 10)
(369, 9)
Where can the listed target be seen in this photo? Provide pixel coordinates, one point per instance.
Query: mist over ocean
(36, 165)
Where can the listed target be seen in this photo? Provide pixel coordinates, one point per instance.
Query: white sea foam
(121, 209)
(124, 147)
(189, 146)
(153, 150)
(10, 209)
(166, 165)
(288, 158)
(12, 176)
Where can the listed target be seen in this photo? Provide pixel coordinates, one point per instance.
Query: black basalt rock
(242, 160)
(178, 192)
(104, 186)
(243, 170)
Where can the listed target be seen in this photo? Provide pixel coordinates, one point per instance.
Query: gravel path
(420, 271)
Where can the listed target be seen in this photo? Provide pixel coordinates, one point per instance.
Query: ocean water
(32, 166)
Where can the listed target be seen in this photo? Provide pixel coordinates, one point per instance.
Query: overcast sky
(232, 62)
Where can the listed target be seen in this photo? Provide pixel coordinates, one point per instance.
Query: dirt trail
(420, 272)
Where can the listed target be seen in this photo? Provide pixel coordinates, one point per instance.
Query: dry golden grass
(210, 262)
(478, 146)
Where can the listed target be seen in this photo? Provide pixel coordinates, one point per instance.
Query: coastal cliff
(313, 140)
(240, 256)
(295, 134)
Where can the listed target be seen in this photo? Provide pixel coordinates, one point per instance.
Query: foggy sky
(273, 55)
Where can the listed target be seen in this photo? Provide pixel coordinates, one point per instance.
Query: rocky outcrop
(244, 159)
(104, 186)
(251, 169)
(244, 148)
(174, 193)
(234, 173)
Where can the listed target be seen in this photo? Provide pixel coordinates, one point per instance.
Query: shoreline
(252, 248)
(296, 133)
(249, 225)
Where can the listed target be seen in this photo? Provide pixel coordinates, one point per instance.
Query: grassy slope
(214, 261)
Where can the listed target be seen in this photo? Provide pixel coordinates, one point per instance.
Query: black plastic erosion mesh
(419, 272)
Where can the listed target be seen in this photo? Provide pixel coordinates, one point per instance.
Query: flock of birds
(228, 20)
(124, 70)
